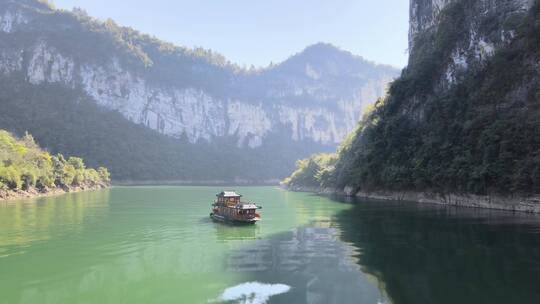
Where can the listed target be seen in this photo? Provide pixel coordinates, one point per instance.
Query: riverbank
(6, 195)
(530, 204)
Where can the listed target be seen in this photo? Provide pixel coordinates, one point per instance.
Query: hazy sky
(259, 32)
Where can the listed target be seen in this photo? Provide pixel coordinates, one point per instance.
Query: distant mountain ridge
(311, 100)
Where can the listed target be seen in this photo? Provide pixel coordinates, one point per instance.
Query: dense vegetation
(481, 136)
(312, 172)
(64, 121)
(25, 166)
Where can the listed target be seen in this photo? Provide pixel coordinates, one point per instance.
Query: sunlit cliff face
(315, 96)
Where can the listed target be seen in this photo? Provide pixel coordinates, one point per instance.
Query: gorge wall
(299, 94)
(461, 125)
(484, 27)
(312, 100)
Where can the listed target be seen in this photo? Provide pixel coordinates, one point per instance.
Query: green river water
(158, 245)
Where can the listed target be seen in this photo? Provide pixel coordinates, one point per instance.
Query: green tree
(104, 174)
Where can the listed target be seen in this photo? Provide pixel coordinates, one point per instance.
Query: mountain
(147, 109)
(462, 123)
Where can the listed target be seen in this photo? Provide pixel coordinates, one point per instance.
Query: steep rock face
(464, 117)
(47, 65)
(171, 111)
(425, 15)
(11, 19)
(298, 97)
(485, 26)
(462, 123)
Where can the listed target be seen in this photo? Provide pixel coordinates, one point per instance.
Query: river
(158, 245)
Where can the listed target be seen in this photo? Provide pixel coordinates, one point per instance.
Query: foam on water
(253, 292)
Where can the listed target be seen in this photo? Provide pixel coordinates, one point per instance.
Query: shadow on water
(432, 254)
(401, 253)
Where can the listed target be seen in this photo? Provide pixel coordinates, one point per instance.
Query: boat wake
(253, 292)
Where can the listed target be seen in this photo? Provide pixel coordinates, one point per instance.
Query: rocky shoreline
(530, 204)
(7, 195)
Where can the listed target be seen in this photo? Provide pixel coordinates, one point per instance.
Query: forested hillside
(469, 125)
(148, 109)
(131, 151)
(26, 169)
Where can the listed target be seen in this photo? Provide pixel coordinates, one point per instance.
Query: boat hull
(223, 219)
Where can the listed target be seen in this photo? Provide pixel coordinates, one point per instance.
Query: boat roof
(229, 193)
(247, 206)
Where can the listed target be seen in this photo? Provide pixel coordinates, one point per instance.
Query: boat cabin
(228, 198)
(228, 206)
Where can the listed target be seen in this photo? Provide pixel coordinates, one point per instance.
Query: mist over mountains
(148, 109)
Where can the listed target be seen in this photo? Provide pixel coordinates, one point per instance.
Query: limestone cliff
(317, 95)
(149, 110)
(462, 124)
(485, 26)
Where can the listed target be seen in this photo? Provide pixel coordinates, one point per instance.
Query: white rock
(247, 120)
(10, 20)
(47, 65)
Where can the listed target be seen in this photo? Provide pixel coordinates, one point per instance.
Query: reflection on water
(157, 245)
(132, 245)
(27, 221)
(227, 233)
(312, 259)
(427, 254)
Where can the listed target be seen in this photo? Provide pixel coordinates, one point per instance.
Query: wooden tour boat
(228, 207)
